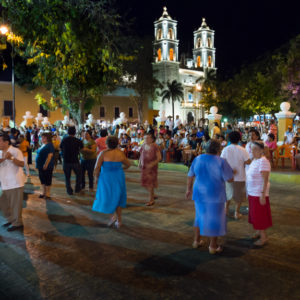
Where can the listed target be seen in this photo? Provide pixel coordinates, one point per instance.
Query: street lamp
(4, 30)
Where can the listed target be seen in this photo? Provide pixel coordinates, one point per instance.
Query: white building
(188, 71)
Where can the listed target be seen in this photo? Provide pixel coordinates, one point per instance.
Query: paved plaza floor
(67, 252)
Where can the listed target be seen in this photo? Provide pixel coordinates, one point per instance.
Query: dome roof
(165, 14)
(203, 25)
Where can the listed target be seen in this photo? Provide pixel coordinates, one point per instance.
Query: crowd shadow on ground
(20, 280)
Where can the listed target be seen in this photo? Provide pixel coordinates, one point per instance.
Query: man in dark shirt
(71, 147)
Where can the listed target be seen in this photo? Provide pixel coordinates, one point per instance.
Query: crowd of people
(229, 163)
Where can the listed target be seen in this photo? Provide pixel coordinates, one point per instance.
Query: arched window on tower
(199, 43)
(209, 42)
(198, 61)
(159, 54)
(209, 62)
(159, 34)
(170, 34)
(171, 54)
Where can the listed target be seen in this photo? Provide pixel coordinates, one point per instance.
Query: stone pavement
(67, 252)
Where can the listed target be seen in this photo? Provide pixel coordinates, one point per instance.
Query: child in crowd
(272, 145)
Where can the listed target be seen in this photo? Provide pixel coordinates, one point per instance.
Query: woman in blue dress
(211, 172)
(111, 190)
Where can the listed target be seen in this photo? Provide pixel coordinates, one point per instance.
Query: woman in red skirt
(258, 186)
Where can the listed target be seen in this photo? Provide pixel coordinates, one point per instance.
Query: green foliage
(73, 44)
(139, 74)
(208, 85)
(258, 88)
(173, 92)
(290, 69)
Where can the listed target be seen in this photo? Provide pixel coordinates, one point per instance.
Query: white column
(204, 57)
(164, 51)
(165, 32)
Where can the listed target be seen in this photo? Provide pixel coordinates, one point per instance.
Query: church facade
(190, 72)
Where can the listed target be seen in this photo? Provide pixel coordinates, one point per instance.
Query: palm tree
(173, 92)
(208, 87)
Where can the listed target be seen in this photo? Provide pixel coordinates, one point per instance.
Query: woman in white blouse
(258, 186)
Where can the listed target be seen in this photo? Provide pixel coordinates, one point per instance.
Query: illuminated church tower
(166, 63)
(190, 71)
(204, 53)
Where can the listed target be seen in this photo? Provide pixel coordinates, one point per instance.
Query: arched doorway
(198, 61)
(159, 34)
(171, 54)
(159, 54)
(209, 62)
(190, 117)
(199, 42)
(170, 34)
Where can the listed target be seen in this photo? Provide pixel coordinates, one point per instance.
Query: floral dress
(149, 175)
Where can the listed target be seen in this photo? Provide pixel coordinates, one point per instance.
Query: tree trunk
(140, 103)
(78, 114)
(173, 111)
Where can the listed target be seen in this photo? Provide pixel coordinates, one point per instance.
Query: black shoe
(13, 228)
(6, 224)
(41, 196)
(70, 193)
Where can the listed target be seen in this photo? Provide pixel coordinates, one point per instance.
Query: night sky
(244, 30)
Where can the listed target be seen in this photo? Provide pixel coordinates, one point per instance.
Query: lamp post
(4, 31)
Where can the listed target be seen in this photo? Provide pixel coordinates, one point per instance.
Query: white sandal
(112, 221)
(197, 244)
(118, 225)
(215, 250)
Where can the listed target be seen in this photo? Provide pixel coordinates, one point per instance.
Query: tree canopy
(260, 87)
(139, 74)
(75, 46)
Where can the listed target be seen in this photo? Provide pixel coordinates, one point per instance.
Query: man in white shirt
(12, 183)
(289, 136)
(237, 157)
(265, 135)
(169, 123)
(177, 121)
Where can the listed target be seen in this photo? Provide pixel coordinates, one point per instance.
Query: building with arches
(189, 71)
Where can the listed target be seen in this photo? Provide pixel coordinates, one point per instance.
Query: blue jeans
(68, 167)
(88, 165)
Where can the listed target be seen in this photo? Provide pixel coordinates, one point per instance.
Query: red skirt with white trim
(259, 215)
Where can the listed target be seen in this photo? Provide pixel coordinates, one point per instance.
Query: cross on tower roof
(165, 14)
(204, 25)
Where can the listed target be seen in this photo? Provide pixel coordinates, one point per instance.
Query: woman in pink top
(272, 145)
(101, 141)
(258, 186)
(273, 129)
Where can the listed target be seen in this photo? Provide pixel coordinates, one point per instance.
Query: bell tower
(204, 52)
(165, 47)
(166, 43)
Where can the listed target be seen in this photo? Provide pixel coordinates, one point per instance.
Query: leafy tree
(290, 69)
(208, 85)
(75, 45)
(256, 89)
(139, 75)
(173, 92)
